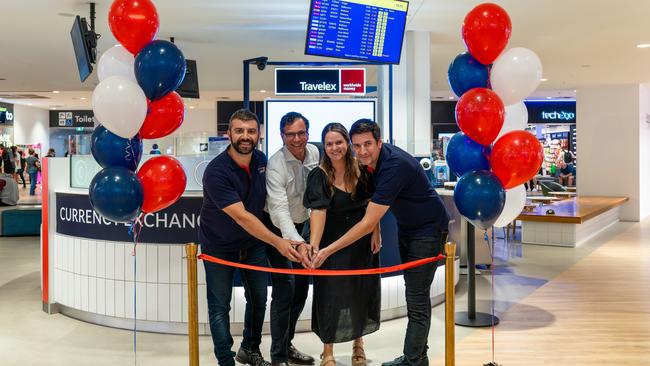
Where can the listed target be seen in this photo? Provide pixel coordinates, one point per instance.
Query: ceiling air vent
(22, 96)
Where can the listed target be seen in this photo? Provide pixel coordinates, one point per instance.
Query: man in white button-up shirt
(286, 178)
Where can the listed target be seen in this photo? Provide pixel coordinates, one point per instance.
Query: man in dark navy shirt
(234, 193)
(422, 220)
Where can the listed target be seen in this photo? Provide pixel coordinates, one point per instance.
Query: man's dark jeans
(219, 281)
(418, 287)
(287, 299)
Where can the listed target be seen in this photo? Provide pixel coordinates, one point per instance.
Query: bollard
(191, 250)
(450, 293)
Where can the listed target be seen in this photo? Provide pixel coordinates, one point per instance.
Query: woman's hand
(320, 257)
(375, 242)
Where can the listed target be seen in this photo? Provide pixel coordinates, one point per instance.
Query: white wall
(31, 126)
(199, 120)
(608, 145)
(644, 149)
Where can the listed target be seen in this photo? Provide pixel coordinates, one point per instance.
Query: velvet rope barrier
(325, 272)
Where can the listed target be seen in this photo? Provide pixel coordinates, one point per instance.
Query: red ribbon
(325, 272)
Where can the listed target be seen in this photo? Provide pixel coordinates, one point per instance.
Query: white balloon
(515, 201)
(116, 61)
(120, 105)
(516, 118)
(515, 74)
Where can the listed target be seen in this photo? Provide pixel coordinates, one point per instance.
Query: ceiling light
(549, 97)
(543, 79)
(192, 107)
(53, 108)
(575, 90)
(643, 45)
(55, 91)
(262, 91)
(83, 98)
(30, 103)
(451, 97)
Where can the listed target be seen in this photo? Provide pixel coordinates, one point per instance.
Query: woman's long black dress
(344, 307)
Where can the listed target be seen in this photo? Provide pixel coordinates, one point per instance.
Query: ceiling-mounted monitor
(363, 30)
(84, 43)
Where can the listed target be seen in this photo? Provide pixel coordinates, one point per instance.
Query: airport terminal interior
(556, 275)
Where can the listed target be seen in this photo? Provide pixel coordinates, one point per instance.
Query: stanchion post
(450, 294)
(191, 250)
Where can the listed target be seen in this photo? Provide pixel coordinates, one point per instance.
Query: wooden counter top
(574, 210)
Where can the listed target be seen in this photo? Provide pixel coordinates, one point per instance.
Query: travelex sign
(176, 224)
(320, 81)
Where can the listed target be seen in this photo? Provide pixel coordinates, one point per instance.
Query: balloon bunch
(135, 99)
(493, 155)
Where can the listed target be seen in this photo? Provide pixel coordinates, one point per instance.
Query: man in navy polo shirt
(422, 220)
(234, 193)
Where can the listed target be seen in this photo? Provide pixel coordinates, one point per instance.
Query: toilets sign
(320, 81)
(72, 119)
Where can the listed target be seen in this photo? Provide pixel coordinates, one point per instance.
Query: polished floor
(559, 306)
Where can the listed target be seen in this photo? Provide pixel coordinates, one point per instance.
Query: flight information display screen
(364, 30)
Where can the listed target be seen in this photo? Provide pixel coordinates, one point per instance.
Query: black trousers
(287, 299)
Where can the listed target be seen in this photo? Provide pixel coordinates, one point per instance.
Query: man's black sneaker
(252, 357)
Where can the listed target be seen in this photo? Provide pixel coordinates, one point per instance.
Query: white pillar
(411, 96)
(613, 145)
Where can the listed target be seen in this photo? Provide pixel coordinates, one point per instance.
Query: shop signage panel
(177, 224)
(551, 111)
(6, 113)
(83, 118)
(320, 81)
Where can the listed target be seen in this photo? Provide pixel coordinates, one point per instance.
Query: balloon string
(134, 230)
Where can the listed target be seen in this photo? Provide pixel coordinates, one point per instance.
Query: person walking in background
(51, 153)
(9, 161)
(343, 308)
(33, 165)
(20, 165)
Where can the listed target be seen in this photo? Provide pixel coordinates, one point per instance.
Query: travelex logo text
(558, 115)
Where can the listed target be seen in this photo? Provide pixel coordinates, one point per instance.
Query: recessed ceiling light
(83, 98)
(643, 45)
(192, 107)
(262, 91)
(30, 103)
(451, 97)
(549, 97)
(543, 79)
(55, 91)
(53, 108)
(575, 90)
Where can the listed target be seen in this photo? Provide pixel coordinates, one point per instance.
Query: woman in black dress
(345, 308)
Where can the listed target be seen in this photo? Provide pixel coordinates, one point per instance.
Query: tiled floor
(28, 336)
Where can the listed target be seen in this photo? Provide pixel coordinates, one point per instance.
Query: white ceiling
(580, 42)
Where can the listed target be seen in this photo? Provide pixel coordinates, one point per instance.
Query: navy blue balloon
(159, 69)
(480, 197)
(466, 73)
(466, 155)
(109, 149)
(117, 194)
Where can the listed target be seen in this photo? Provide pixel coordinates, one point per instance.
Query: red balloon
(134, 23)
(516, 158)
(163, 180)
(486, 31)
(480, 114)
(164, 116)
